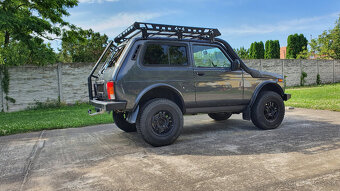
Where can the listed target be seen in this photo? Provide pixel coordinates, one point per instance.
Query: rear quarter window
(165, 55)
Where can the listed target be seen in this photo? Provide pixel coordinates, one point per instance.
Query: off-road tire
(262, 116)
(120, 121)
(160, 122)
(220, 116)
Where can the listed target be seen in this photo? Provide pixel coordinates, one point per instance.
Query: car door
(215, 83)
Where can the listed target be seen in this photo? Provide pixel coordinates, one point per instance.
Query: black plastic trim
(232, 109)
(108, 105)
(286, 97)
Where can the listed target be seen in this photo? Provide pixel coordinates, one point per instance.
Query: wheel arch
(160, 90)
(266, 86)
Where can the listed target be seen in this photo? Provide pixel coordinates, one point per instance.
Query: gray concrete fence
(31, 84)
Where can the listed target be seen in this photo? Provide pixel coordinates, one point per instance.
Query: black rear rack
(152, 29)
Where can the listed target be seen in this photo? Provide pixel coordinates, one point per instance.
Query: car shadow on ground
(238, 137)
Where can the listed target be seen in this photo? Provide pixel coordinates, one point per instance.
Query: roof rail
(152, 29)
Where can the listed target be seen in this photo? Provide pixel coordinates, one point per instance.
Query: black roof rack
(152, 29)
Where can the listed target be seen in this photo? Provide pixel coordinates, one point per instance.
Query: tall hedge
(296, 44)
(256, 50)
(272, 49)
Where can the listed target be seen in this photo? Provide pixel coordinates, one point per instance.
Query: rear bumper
(286, 97)
(108, 105)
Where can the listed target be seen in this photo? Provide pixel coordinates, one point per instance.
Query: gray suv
(157, 73)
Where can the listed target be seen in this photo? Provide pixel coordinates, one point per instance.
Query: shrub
(302, 79)
(318, 80)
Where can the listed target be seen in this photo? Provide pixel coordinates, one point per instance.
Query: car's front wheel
(120, 121)
(268, 110)
(160, 122)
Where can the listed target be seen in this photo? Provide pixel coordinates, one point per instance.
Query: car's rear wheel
(160, 122)
(220, 116)
(268, 110)
(120, 121)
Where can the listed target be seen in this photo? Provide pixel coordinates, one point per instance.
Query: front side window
(210, 56)
(165, 55)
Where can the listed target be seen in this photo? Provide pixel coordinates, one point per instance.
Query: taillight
(110, 90)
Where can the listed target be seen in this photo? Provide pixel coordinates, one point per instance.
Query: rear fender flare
(132, 116)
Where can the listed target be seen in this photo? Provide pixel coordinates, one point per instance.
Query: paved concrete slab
(303, 154)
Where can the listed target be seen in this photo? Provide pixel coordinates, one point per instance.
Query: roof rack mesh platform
(152, 29)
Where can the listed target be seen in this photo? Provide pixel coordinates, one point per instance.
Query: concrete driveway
(303, 154)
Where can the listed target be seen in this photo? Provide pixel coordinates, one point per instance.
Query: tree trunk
(6, 38)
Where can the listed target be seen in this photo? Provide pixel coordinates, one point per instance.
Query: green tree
(296, 44)
(304, 54)
(272, 49)
(83, 46)
(327, 45)
(24, 25)
(256, 50)
(242, 52)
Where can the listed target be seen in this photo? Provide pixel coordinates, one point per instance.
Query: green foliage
(302, 78)
(272, 49)
(256, 50)
(327, 45)
(284, 81)
(82, 46)
(23, 27)
(25, 24)
(304, 54)
(296, 44)
(318, 80)
(23, 20)
(49, 104)
(243, 53)
(4, 74)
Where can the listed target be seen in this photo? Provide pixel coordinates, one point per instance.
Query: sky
(241, 22)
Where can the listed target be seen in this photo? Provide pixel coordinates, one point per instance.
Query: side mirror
(235, 65)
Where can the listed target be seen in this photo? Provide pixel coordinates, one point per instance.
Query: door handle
(200, 73)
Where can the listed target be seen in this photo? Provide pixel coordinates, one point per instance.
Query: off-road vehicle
(153, 74)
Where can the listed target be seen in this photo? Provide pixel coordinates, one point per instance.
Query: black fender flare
(246, 112)
(132, 116)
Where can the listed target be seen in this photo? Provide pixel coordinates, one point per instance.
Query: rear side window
(165, 55)
(178, 55)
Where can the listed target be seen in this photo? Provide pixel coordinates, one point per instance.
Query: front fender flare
(247, 111)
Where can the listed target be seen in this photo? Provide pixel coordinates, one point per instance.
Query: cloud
(115, 24)
(96, 1)
(283, 26)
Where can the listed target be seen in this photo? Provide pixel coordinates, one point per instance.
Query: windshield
(110, 56)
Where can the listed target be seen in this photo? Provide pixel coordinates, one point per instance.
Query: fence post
(260, 65)
(333, 71)
(282, 66)
(60, 90)
(1, 95)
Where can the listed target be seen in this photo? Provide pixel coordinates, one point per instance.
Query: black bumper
(108, 105)
(286, 97)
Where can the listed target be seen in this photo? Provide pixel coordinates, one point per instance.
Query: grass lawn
(326, 97)
(50, 118)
